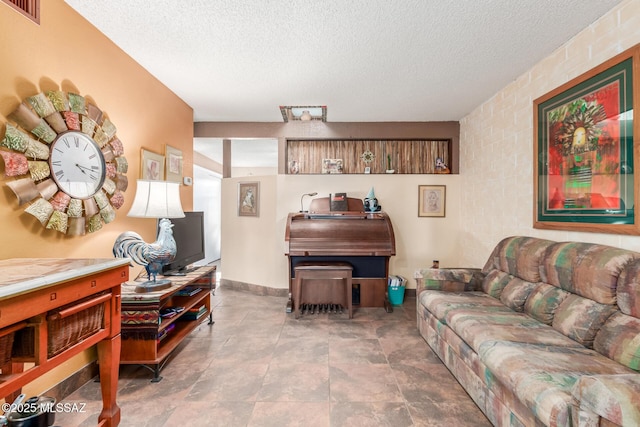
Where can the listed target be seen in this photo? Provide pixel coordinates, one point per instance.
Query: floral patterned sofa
(546, 333)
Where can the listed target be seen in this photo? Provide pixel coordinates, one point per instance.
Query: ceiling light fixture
(305, 113)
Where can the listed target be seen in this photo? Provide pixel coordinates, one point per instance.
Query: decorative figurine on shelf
(371, 203)
(441, 167)
(436, 264)
(294, 167)
(150, 255)
(389, 170)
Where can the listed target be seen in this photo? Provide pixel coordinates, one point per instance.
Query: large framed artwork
(584, 151)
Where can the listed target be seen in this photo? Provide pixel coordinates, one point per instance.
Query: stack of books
(163, 333)
(188, 291)
(169, 312)
(195, 313)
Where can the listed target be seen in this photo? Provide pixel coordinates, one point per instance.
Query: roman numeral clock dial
(77, 164)
(69, 171)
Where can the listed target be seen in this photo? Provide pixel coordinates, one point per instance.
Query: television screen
(188, 233)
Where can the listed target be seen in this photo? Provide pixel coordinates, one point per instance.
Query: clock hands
(84, 170)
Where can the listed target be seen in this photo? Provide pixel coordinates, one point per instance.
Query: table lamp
(154, 199)
(302, 198)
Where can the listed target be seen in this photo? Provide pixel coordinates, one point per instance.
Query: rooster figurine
(150, 255)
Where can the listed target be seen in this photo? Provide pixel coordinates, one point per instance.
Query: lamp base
(153, 285)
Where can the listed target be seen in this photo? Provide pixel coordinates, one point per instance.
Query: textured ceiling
(367, 60)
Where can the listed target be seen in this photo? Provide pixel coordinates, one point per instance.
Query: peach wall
(66, 52)
(496, 141)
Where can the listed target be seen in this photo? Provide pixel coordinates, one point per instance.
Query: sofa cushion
(619, 339)
(515, 294)
(544, 301)
(580, 318)
(586, 269)
(477, 326)
(542, 377)
(439, 303)
(628, 291)
(519, 256)
(494, 282)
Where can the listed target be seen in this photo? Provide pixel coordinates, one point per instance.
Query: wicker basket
(6, 343)
(65, 332)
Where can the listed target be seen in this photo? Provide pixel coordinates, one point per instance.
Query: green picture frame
(584, 151)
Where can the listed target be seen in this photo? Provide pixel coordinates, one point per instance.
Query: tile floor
(258, 366)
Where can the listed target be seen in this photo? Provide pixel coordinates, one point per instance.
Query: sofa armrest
(448, 279)
(607, 400)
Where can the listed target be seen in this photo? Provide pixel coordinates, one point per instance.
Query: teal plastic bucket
(396, 295)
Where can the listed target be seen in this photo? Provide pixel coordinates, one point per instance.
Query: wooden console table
(51, 310)
(148, 338)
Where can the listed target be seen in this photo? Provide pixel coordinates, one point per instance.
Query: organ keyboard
(364, 240)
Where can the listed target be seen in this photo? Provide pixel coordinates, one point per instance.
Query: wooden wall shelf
(411, 156)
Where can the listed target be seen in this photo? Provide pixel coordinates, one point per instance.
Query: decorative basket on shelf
(66, 326)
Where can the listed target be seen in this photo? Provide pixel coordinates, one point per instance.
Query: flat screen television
(188, 233)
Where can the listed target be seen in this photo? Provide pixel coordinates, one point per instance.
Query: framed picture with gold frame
(151, 165)
(432, 200)
(173, 159)
(249, 199)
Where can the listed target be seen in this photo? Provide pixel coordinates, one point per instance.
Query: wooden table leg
(108, 359)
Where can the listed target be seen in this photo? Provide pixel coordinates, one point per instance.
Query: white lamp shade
(157, 199)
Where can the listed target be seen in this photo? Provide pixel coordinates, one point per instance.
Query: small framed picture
(173, 157)
(431, 200)
(151, 165)
(367, 169)
(332, 166)
(248, 199)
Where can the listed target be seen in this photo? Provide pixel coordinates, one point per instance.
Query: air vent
(29, 8)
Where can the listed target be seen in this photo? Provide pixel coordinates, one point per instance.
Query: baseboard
(73, 382)
(254, 289)
(275, 292)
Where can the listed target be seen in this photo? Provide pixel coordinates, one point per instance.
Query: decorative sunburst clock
(66, 162)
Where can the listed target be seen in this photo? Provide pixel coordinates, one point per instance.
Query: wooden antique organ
(364, 240)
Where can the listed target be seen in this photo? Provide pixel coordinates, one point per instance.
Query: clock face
(69, 170)
(77, 164)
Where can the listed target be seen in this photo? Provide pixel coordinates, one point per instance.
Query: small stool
(306, 291)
